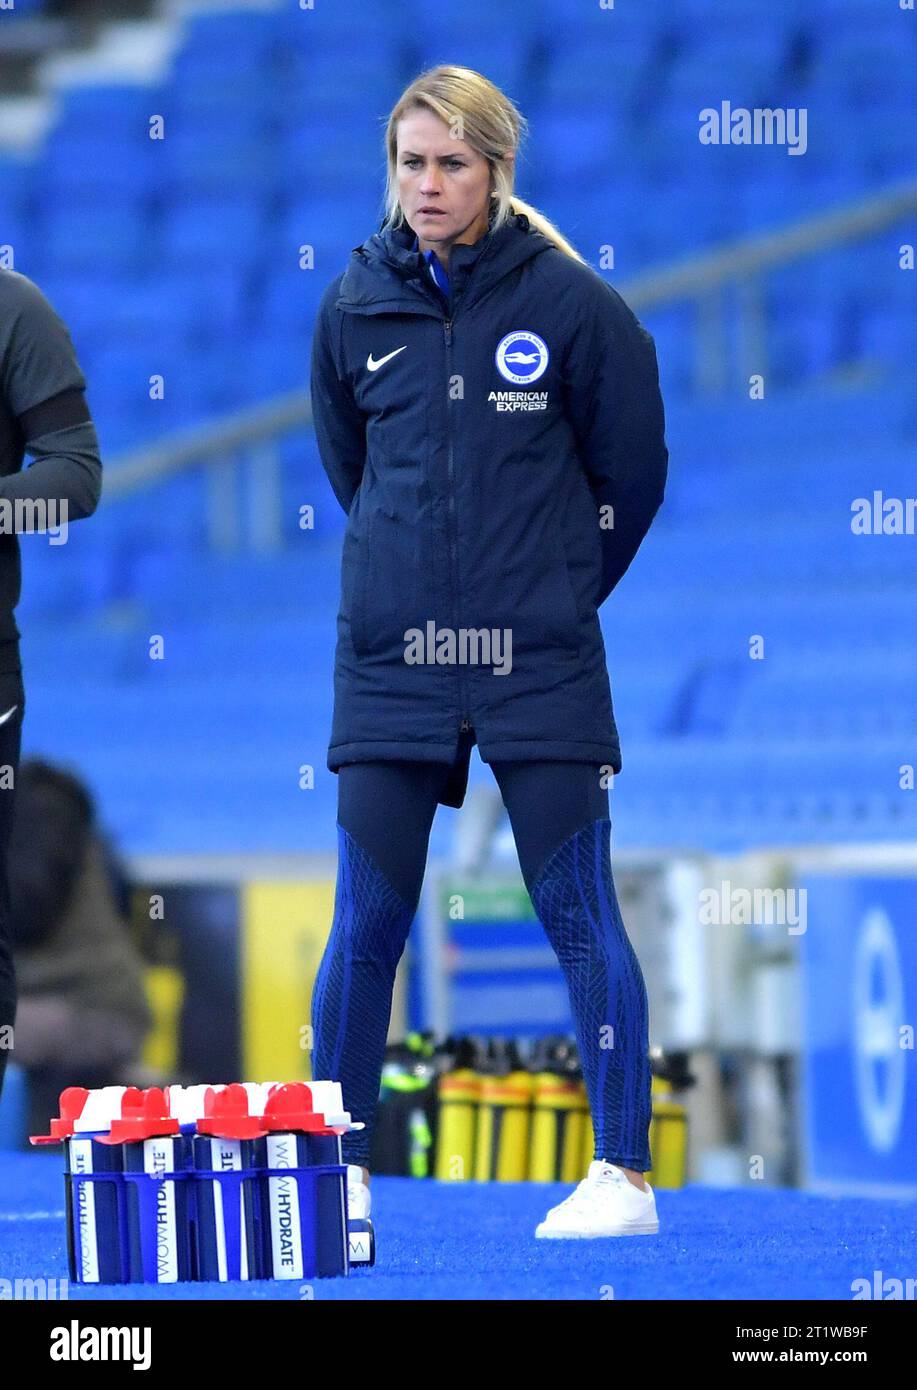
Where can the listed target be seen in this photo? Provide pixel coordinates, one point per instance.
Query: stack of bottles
(492, 1109)
(241, 1181)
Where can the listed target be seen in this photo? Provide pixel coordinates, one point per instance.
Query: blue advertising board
(859, 998)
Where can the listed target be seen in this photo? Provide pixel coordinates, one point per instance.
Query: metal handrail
(703, 279)
(243, 429)
(742, 259)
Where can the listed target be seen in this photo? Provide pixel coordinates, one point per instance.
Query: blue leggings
(560, 821)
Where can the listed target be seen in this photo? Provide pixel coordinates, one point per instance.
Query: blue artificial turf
(476, 1241)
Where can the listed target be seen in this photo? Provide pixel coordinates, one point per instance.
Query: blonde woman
(488, 413)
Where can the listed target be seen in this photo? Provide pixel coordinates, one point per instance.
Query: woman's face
(443, 184)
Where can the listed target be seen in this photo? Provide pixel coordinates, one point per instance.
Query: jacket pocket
(391, 589)
(536, 601)
(566, 621)
(359, 630)
(353, 571)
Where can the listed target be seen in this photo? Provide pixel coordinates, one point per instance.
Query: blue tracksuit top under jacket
(437, 269)
(500, 462)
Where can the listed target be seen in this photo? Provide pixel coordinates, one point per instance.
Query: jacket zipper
(453, 529)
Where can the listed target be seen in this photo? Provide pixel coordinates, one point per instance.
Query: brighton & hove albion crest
(522, 357)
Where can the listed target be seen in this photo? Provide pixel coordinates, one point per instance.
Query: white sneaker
(605, 1203)
(359, 1201)
(361, 1240)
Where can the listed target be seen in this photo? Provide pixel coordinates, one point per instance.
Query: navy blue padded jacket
(500, 457)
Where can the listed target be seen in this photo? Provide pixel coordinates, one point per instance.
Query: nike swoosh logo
(374, 366)
(5, 717)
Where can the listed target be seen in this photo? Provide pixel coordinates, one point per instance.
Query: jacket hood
(386, 273)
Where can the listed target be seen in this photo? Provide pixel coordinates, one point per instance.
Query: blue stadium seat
(180, 257)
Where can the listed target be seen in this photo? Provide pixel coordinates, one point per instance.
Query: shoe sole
(646, 1228)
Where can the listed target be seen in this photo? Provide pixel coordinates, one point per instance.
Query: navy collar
(462, 258)
(386, 272)
(437, 269)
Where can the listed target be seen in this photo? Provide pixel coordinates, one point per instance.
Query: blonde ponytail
(490, 123)
(545, 226)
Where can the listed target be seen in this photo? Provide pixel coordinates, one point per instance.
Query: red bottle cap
(72, 1101)
(226, 1114)
(144, 1115)
(289, 1109)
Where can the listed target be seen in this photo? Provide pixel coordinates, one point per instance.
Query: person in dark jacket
(488, 412)
(82, 1012)
(43, 413)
